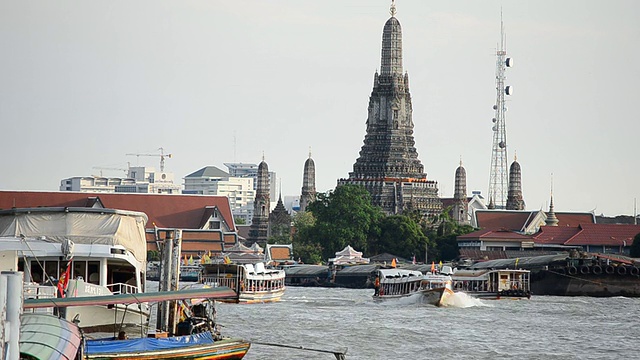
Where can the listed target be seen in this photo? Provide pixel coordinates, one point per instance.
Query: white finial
(392, 11)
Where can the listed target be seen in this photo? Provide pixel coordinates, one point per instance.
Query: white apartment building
(139, 179)
(212, 181)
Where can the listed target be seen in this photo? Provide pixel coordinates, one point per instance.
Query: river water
(543, 327)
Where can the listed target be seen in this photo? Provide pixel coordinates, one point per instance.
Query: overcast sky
(83, 83)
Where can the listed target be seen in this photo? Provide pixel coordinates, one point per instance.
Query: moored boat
(254, 283)
(78, 252)
(493, 284)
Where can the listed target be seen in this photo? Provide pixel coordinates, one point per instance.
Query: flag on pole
(433, 267)
(393, 263)
(63, 282)
(413, 260)
(227, 260)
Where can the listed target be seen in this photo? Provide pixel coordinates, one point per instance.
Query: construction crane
(109, 168)
(162, 156)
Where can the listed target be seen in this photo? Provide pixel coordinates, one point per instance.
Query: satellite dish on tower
(508, 90)
(509, 62)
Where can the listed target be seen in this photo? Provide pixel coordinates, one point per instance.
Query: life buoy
(584, 269)
(634, 271)
(609, 269)
(622, 270)
(572, 270)
(597, 269)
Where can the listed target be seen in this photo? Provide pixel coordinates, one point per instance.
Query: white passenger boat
(399, 283)
(104, 251)
(253, 283)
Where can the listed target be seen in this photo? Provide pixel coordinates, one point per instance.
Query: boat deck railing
(37, 291)
(121, 288)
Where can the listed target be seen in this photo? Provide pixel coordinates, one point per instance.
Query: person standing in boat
(376, 285)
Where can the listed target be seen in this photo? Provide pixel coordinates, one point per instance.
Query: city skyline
(218, 82)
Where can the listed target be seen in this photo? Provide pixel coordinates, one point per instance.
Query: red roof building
(206, 221)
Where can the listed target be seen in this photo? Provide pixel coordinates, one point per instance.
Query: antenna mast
(499, 175)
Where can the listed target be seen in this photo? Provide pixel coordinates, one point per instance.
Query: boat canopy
(47, 337)
(80, 225)
(529, 263)
(110, 346)
(394, 275)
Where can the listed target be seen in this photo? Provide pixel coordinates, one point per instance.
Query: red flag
(64, 279)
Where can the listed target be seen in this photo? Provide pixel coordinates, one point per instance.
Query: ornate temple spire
(258, 232)
(391, 60)
(551, 220)
(388, 165)
(308, 183)
(514, 196)
(460, 202)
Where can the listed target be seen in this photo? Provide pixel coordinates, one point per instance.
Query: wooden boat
(196, 338)
(493, 284)
(202, 346)
(255, 283)
(399, 283)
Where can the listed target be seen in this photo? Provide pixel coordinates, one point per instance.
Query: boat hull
(225, 349)
(436, 296)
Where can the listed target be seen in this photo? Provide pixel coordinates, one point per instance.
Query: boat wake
(460, 299)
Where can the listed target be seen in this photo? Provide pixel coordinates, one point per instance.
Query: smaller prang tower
(552, 219)
(280, 221)
(460, 201)
(514, 197)
(308, 183)
(259, 230)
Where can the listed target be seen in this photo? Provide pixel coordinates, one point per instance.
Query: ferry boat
(254, 283)
(78, 252)
(399, 283)
(493, 284)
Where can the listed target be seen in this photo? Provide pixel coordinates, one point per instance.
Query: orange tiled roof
(501, 234)
(166, 211)
(588, 234)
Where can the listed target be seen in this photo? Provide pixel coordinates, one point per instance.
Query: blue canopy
(108, 346)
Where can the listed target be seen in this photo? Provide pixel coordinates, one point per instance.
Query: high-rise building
(388, 166)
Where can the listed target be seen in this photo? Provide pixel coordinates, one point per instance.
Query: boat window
(79, 269)
(51, 268)
(93, 269)
(36, 272)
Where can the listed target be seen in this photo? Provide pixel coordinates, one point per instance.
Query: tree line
(345, 216)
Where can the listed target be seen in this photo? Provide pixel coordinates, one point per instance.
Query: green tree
(635, 247)
(304, 249)
(444, 230)
(240, 221)
(399, 235)
(153, 255)
(343, 217)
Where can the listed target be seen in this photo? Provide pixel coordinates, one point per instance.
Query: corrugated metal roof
(306, 270)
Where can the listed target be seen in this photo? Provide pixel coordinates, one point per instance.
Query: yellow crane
(162, 156)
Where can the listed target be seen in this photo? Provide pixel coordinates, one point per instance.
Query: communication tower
(499, 175)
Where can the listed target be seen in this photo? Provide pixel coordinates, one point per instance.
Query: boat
(493, 284)
(576, 273)
(397, 283)
(78, 252)
(188, 273)
(254, 282)
(436, 288)
(196, 336)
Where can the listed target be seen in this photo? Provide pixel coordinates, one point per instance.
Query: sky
(83, 83)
